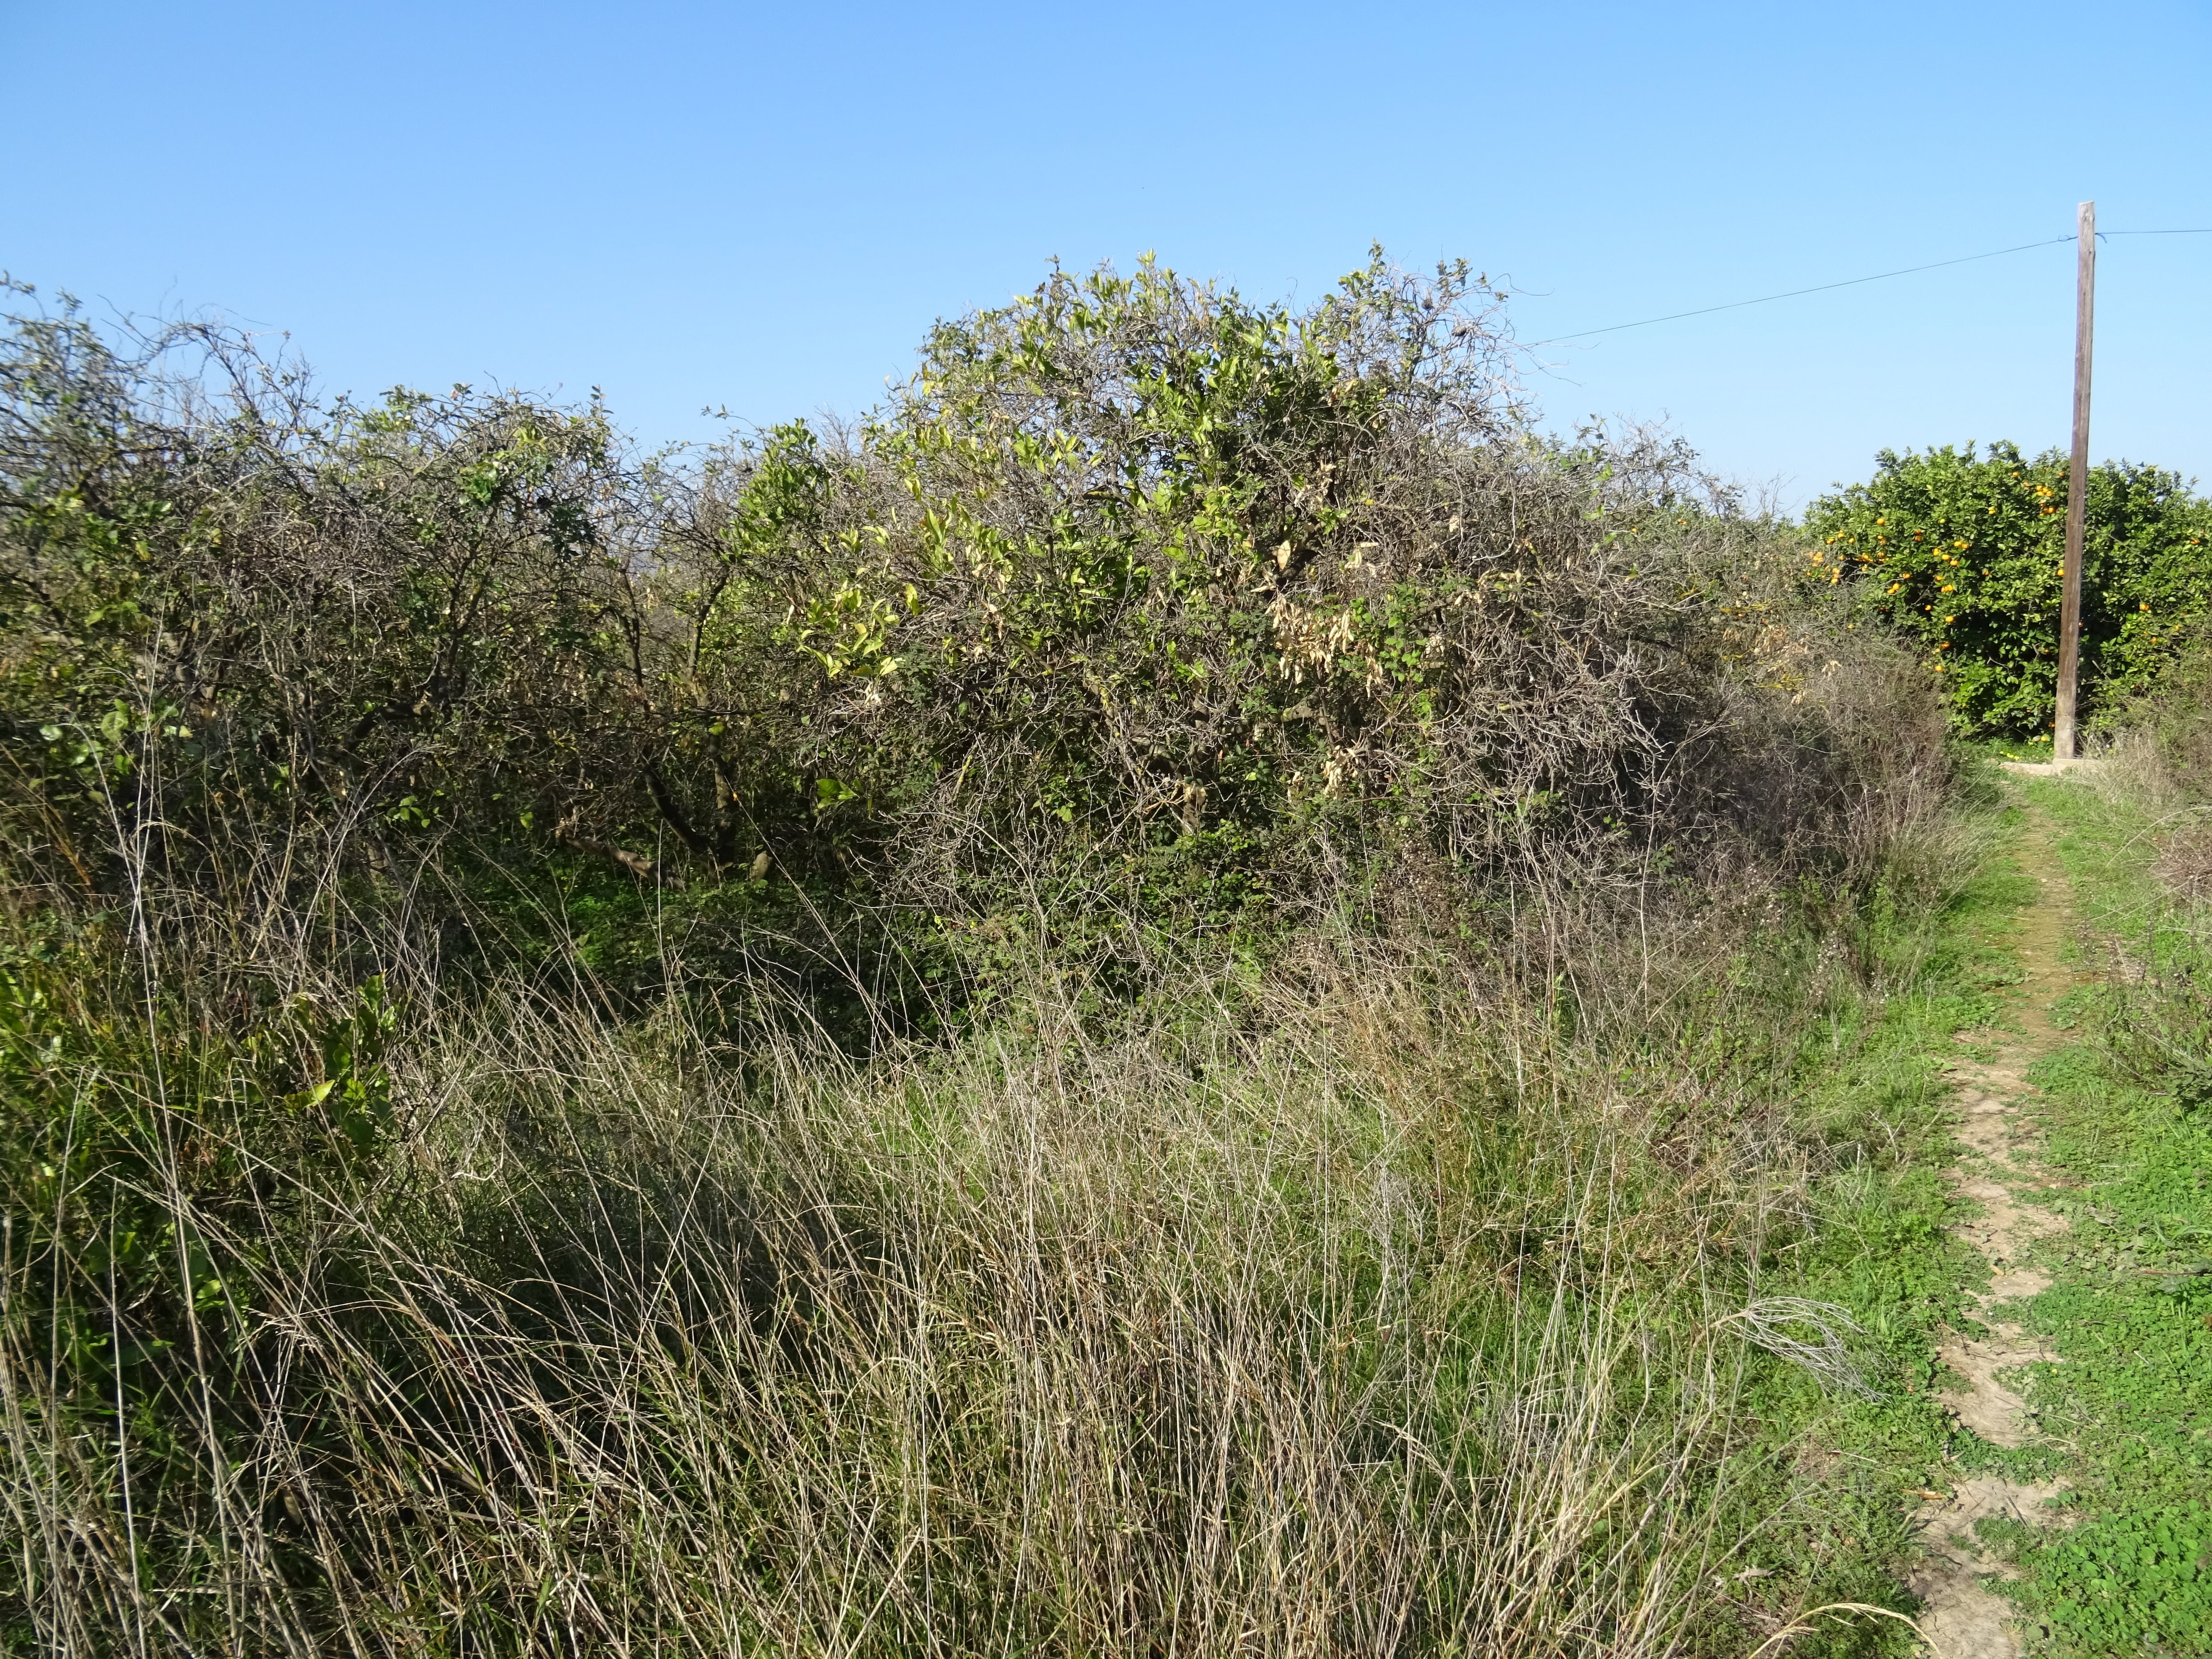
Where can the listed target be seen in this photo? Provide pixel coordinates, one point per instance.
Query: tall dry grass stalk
(1355, 1311)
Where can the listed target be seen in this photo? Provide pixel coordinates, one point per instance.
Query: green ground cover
(1827, 1487)
(1882, 1243)
(2130, 1315)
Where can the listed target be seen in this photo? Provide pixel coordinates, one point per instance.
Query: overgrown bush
(1151, 1003)
(2160, 739)
(1140, 607)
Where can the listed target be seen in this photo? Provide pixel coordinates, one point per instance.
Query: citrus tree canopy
(1963, 552)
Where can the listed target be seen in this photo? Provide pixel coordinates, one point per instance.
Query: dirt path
(2000, 1172)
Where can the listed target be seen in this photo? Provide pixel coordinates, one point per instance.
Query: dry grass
(1354, 1311)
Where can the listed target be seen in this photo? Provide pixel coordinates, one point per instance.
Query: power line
(1853, 282)
(1768, 299)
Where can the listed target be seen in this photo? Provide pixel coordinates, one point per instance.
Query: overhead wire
(1851, 282)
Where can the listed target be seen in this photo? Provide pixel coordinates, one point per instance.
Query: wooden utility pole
(2063, 738)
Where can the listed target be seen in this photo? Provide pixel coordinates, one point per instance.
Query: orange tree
(1963, 552)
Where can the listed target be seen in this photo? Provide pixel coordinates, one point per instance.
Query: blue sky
(764, 208)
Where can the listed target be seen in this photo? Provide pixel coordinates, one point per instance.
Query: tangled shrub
(1139, 602)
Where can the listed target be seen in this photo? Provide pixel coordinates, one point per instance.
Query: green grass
(2129, 1399)
(1881, 1242)
(1826, 1486)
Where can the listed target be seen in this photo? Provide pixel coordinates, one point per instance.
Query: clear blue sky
(764, 208)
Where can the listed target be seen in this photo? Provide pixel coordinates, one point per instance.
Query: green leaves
(356, 1086)
(2135, 1582)
(848, 631)
(1964, 555)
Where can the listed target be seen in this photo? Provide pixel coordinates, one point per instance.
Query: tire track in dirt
(2000, 1171)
